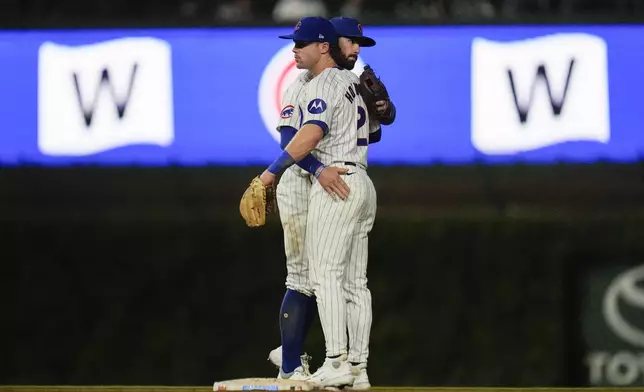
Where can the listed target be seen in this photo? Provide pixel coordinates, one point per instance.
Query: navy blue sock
(292, 322)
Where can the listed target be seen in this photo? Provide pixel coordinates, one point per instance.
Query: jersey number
(362, 117)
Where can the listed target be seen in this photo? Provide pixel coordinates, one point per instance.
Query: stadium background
(482, 274)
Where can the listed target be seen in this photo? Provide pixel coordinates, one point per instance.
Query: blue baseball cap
(313, 29)
(351, 28)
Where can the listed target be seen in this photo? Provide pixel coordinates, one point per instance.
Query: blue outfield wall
(534, 94)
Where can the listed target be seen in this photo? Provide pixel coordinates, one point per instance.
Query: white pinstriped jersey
(291, 114)
(331, 100)
(337, 233)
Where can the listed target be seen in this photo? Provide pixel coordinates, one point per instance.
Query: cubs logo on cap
(351, 28)
(313, 29)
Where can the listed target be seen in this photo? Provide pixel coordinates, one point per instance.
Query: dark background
(137, 13)
(148, 276)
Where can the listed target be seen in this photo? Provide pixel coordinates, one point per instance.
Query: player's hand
(382, 106)
(267, 178)
(331, 181)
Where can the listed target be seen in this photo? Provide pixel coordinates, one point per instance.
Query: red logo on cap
(360, 27)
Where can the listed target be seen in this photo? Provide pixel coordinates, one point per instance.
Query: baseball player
(335, 126)
(298, 306)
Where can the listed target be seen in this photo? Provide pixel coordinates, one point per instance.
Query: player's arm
(290, 120)
(318, 110)
(305, 141)
(298, 150)
(314, 127)
(309, 162)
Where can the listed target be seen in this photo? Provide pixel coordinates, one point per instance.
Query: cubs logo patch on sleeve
(287, 112)
(316, 106)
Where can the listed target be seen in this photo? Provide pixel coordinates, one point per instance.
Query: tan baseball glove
(257, 202)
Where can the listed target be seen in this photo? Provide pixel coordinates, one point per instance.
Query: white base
(263, 384)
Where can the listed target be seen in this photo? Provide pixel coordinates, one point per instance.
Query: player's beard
(350, 63)
(340, 60)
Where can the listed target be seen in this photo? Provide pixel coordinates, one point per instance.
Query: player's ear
(324, 48)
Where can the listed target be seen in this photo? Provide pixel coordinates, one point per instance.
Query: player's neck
(322, 65)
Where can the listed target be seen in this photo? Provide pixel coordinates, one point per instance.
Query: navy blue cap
(313, 29)
(351, 28)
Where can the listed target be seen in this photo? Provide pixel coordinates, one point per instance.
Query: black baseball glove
(373, 90)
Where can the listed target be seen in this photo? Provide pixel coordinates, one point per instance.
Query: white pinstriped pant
(293, 192)
(337, 247)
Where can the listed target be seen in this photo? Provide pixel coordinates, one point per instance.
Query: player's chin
(350, 64)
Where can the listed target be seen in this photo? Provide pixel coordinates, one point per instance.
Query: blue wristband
(283, 162)
(374, 137)
(310, 164)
